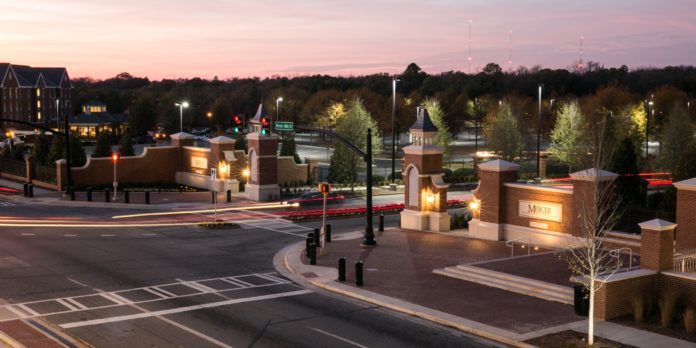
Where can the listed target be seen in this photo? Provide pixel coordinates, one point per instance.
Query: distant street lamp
(278, 100)
(181, 114)
(393, 126)
(476, 128)
(539, 135)
(648, 108)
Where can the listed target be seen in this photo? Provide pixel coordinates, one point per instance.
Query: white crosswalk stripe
(7, 204)
(161, 292)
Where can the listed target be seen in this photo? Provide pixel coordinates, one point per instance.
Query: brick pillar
(180, 140)
(588, 185)
(263, 165)
(29, 162)
(217, 159)
(491, 197)
(686, 214)
(61, 174)
(657, 245)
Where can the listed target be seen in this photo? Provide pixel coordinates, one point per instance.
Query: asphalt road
(188, 287)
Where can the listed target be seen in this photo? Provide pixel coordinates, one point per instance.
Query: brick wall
(291, 173)
(614, 298)
(156, 164)
(512, 196)
(686, 219)
(490, 193)
(683, 285)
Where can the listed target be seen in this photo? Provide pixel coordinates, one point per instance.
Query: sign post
(115, 157)
(213, 177)
(324, 188)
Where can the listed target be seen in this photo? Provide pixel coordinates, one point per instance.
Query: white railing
(617, 254)
(511, 245)
(685, 261)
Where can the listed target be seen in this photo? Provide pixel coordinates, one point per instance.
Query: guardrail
(685, 261)
(511, 245)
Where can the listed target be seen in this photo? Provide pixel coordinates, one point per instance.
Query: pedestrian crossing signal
(324, 188)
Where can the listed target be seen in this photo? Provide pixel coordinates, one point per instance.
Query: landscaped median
(341, 212)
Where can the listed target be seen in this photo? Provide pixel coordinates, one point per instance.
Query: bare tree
(598, 213)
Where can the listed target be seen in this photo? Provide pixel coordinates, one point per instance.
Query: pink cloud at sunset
(240, 38)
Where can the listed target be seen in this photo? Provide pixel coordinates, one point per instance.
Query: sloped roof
(4, 67)
(26, 75)
(260, 112)
(94, 103)
(52, 76)
(423, 121)
(98, 118)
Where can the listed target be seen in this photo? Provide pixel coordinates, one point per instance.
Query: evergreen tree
(503, 134)
(126, 145)
(678, 135)
(567, 143)
(625, 163)
(353, 127)
(103, 146)
(39, 151)
(686, 165)
(57, 150)
(444, 137)
(142, 116)
(77, 152)
(288, 148)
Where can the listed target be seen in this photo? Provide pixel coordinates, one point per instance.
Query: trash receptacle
(582, 300)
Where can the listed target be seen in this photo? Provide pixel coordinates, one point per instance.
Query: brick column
(62, 174)
(491, 197)
(657, 245)
(686, 214)
(217, 159)
(588, 186)
(263, 164)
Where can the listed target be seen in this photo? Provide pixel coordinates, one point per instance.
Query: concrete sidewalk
(398, 275)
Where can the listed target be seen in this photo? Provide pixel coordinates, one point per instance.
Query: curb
(287, 262)
(9, 341)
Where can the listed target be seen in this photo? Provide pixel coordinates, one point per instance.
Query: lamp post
(278, 101)
(393, 162)
(538, 159)
(181, 106)
(648, 108)
(476, 127)
(57, 113)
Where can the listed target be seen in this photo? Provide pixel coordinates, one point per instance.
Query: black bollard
(341, 269)
(107, 195)
(229, 196)
(359, 273)
(72, 193)
(381, 222)
(31, 190)
(327, 233)
(212, 197)
(26, 189)
(89, 194)
(126, 196)
(147, 197)
(308, 241)
(312, 254)
(317, 236)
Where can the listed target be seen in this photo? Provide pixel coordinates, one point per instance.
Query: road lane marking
(28, 234)
(69, 235)
(236, 280)
(107, 235)
(27, 309)
(149, 234)
(170, 294)
(17, 312)
(182, 309)
(194, 332)
(337, 337)
(76, 304)
(200, 287)
(78, 283)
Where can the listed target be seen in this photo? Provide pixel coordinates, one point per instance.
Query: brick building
(39, 95)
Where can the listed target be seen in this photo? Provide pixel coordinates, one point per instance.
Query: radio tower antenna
(510, 55)
(470, 47)
(580, 66)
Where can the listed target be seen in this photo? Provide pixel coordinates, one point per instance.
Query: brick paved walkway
(27, 335)
(401, 267)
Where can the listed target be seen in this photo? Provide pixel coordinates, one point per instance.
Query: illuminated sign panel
(541, 210)
(199, 162)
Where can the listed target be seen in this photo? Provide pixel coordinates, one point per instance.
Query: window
(38, 115)
(38, 92)
(38, 103)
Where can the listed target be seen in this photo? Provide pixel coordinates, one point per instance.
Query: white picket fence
(685, 261)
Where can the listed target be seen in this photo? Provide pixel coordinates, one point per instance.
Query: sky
(245, 38)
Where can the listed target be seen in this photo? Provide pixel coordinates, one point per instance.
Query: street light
(181, 114)
(278, 100)
(648, 108)
(476, 127)
(539, 135)
(394, 81)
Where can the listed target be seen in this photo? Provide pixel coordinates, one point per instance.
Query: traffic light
(265, 126)
(237, 124)
(324, 188)
(115, 157)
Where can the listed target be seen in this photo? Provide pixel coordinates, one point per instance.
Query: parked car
(201, 131)
(314, 198)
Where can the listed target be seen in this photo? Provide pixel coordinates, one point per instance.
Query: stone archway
(413, 186)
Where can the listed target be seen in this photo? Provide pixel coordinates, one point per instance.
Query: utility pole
(538, 159)
(393, 162)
